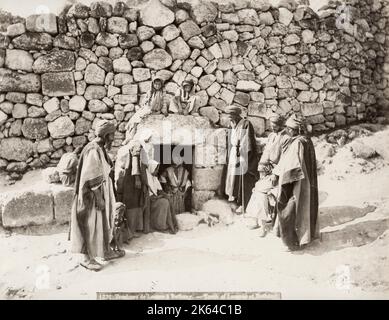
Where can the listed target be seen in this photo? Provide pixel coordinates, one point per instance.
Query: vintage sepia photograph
(194, 150)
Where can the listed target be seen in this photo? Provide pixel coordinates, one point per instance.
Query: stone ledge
(39, 204)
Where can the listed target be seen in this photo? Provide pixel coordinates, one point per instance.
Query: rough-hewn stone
(55, 61)
(58, 84)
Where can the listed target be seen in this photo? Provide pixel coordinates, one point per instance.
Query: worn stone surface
(157, 59)
(35, 128)
(58, 84)
(27, 208)
(19, 60)
(33, 41)
(55, 61)
(17, 149)
(62, 127)
(156, 15)
(14, 81)
(179, 50)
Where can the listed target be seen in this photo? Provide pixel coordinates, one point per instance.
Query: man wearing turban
(266, 187)
(297, 202)
(94, 200)
(242, 159)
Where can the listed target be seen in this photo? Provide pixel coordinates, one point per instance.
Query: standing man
(297, 203)
(94, 200)
(266, 187)
(242, 159)
(131, 186)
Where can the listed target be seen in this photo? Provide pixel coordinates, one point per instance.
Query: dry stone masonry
(59, 74)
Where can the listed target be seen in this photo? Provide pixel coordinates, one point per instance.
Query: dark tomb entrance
(164, 153)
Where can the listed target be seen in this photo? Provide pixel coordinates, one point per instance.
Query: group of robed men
(131, 194)
(279, 189)
(113, 203)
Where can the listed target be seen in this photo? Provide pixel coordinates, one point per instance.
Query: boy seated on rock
(67, 167)
(184, 100)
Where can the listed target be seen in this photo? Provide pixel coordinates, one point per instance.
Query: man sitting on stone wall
(184, 100)
(67, 167)
(259, 207)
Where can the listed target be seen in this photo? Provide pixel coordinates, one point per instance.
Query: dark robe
(246, 141)
(298, 205)
(91, 228)
(132, 191)
(176, 183)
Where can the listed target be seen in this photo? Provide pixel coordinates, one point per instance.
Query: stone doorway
(202, 143)
(163, 154)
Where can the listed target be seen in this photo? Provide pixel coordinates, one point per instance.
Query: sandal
(92, 265)
(115, 255)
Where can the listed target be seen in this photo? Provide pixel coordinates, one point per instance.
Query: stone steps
(346, 230)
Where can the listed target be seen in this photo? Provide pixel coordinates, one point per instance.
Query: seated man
(154, 103)
(162, 218)
(67, 167)
(175, 180)
(258, 206)
(184, 100)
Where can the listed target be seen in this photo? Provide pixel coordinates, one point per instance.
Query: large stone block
(311, 109)
(204, 12)
(19, 60)
(12, 81)
(207, 178)
(18, 149)
(55, 61)
(46, 22)
(27, 208)
(156, 15)
(249, 17)
(62, 127)
(35, 128)
(246, 86)
(94, 74)
(58, 84)
(117, 25)
(63, 200)
(157, 59)
(33, 41)
(189, 29)
(179, 49)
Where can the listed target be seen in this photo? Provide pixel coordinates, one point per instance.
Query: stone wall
(59, 74)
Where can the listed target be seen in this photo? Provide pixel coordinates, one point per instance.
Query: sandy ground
(222, 258)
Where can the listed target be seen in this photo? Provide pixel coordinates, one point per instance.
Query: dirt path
(211, 259)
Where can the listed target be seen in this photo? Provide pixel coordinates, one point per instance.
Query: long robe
(132, 191)
(155, 102)
(176, 184)
(259, 205)
(91, 228)
(297, 204)
(242, 138)
(162, 218)
(183, 102)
